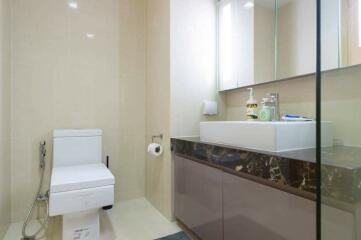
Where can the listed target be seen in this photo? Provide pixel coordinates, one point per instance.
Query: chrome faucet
(272, 101)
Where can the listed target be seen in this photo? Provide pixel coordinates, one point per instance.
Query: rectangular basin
(266, 136)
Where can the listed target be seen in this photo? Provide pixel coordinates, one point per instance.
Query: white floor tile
(131, 220)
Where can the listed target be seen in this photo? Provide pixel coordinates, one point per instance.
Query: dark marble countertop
(337, 156)
(292, 171)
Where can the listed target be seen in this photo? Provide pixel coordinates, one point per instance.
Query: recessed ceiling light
(73, 4)
(90, 35)
(248, 5)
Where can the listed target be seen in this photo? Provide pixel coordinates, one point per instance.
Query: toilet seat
(71, 178)
(80, 188)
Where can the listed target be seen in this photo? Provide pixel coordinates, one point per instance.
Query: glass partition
(339, 102)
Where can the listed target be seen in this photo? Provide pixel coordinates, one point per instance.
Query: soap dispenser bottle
(265, 114)
(251, 106)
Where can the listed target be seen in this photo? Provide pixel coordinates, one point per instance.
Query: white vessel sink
(266, 136)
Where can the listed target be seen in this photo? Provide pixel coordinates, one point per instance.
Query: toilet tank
(77, 147)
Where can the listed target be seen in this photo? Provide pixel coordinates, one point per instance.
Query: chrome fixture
(160, 136)
(272, 101)
(42, 154)
(39, 198)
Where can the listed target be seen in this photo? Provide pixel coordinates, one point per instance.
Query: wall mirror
(350, 31)
(296, 38)
(262, 41)
(246, 42)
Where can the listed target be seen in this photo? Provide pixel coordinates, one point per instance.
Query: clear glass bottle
(266, 113)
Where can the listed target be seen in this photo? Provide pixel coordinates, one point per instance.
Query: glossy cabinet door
(253, 211)
(198, 198)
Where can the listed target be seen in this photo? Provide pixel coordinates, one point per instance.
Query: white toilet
(80, 183)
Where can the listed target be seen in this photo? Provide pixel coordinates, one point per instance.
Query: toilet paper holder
(160, 136)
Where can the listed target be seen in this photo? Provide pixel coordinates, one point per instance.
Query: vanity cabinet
(217, 205)
(254, 211)
(198, 198)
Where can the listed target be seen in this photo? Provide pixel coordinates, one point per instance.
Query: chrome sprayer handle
(42, 154)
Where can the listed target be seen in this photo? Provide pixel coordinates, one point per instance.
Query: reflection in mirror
(236, 26)
(330, 37)
(350, 32)
(296, 38)
(341, 33)
(265, 40)
(265, 45)
(246, 39)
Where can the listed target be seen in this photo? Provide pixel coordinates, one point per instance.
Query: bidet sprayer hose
(38, 197)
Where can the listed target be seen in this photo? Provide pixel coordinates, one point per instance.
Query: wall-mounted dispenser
(210, 108)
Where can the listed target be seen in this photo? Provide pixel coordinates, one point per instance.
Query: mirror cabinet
(262, 41)
(246, 42)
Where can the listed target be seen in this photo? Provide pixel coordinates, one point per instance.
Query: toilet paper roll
(155, 149)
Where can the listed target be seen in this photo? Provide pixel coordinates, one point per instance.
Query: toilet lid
(78, 177)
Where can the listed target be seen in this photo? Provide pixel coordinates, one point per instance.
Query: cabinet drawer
(253, 211)
(198, 198)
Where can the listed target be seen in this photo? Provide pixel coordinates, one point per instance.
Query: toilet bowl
(80, 183)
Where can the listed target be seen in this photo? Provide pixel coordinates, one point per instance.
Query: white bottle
(251, 106)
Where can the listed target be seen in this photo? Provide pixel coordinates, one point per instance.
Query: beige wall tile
(193, 65)
(340, 101)
(294, 94)
(158, 170)
(64, 79)
(4, 186)
(4, 116)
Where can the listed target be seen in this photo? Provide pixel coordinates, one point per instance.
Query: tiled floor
(131, 220)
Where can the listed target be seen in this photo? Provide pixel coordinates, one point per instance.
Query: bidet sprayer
(42, 154)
